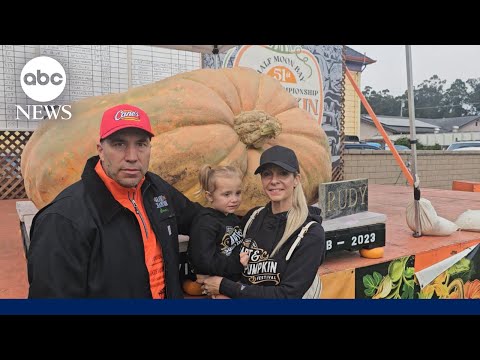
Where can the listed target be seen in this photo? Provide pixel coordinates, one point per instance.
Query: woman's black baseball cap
(280, 156)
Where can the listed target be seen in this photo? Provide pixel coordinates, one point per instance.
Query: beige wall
(352, 106)
(368, 131)
(472, 126)
(436, 169)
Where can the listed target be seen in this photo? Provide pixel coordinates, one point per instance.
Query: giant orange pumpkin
(223, 116)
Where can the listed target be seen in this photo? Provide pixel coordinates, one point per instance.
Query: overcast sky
(449, 62)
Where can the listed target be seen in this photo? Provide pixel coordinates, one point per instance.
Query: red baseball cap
(124, 116)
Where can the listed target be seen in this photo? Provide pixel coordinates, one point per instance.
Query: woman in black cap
(282, 263)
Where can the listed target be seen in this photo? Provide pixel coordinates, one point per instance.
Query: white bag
(442, 227)
(314, 290)
(430, 222)
(428, 215)
(469, 220)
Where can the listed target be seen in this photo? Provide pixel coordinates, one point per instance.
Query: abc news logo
(43, 79)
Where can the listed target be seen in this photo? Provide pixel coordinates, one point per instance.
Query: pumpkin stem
(255, 127)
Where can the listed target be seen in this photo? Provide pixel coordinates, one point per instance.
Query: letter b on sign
(43, 79)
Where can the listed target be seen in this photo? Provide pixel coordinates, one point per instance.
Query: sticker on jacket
(161, 202)
(232, 238)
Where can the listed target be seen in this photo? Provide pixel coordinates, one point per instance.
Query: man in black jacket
(114, 233)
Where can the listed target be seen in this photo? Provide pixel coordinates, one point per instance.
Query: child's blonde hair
(208, 174)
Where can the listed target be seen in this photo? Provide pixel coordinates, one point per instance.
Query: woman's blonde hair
(208, 175)
(296, 216)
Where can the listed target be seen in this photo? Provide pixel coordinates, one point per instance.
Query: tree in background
(474, 96)
(455, 100)
(382, 102)
(431, 99)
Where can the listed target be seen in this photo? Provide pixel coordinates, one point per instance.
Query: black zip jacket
(86, 245)
(275, 277)
(213, 247)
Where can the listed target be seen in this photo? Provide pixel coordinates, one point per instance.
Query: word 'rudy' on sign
(343, 198)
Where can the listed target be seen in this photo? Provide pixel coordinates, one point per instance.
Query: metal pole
(413, 141)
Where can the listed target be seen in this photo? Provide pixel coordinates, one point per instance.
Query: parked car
(398, 147)
(360, 146)
(465, 146)
(377, 145)
(468, 148)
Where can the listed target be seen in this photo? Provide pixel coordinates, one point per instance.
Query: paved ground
(13, 270)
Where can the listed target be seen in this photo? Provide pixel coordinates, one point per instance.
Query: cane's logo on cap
(127, 115)
(131, 116)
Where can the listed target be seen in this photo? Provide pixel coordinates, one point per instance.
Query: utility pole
(413, 141)
(401, 108)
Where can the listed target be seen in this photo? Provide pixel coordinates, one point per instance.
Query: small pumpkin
(207, 116)
(375, 253)
(191, 287)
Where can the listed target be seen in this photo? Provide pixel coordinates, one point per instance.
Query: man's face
(125, 156)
